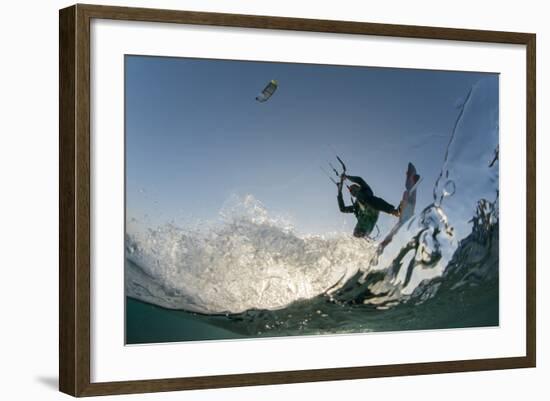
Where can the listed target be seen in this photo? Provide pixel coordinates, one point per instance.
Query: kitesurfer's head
(354, 189)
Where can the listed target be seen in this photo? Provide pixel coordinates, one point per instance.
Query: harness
(366, 216)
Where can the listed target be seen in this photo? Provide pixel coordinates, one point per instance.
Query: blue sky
(195, 135)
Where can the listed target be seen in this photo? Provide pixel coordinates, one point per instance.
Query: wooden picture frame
(74, 199)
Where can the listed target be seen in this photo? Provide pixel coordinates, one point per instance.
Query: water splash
(247, 260)
(424, 247)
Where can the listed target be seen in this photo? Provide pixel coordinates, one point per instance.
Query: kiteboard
(408, 201)
(407, 204)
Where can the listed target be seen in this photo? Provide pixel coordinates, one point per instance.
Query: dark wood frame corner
(74, 199)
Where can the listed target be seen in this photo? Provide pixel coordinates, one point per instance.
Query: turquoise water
(148, 323)
(475, 307)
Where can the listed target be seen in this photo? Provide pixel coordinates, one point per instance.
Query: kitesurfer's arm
(357, 180)
(381, 205)
(341, 205)
(365, 189)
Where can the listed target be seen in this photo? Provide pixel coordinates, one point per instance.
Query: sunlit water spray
(248, 260)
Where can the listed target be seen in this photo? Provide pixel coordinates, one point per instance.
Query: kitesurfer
(365, 205)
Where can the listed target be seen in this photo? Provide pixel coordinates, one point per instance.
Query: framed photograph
(250, 200)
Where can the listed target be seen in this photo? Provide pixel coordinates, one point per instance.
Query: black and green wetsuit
(366, 207)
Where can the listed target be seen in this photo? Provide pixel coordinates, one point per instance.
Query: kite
(269, 90)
